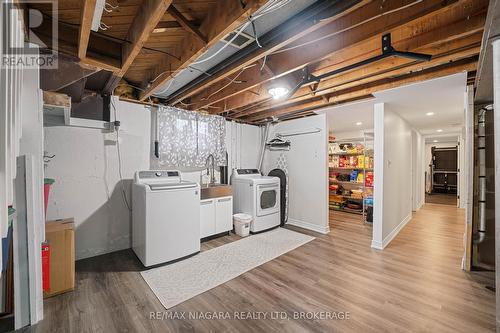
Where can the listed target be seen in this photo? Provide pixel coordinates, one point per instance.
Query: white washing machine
(165, 217)
(258, 196)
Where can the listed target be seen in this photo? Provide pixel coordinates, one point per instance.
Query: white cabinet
(223, 214)
(207, 218)
(216, 216)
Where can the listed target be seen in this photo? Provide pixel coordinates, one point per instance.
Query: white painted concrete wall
(88, 186)
(307, 163)
(393, 181)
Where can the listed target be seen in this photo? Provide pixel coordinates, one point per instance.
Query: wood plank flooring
(441, 198)
(414, 285)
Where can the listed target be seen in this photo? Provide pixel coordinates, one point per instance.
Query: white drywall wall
(393, 181)
(88, 185)
(307, 165)
(418, 176)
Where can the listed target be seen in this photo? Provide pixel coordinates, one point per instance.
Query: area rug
(180, 281)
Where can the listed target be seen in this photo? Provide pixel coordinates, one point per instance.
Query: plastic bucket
(242, 224)
(47, 182)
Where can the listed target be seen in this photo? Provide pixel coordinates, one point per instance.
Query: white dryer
(258, 196)
(165, 217)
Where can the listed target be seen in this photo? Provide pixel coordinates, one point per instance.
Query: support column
(378, 190)
(496, 114)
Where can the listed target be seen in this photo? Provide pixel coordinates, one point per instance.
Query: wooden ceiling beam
(186, 24)
(281, 37)
(363, 23)
(341, 85)
(87, 14)
(467, 65)
(223, 18)
(447, 51)
(148, 16)
(452, 36)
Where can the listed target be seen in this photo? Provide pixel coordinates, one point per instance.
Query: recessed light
(278, 92)
(435, 141)
(429, 114)
(359, 123)
(439, 130)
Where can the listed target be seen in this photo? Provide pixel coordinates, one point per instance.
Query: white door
(224, 214)
(207, 218)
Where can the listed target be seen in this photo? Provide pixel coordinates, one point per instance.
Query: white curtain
(187, 138)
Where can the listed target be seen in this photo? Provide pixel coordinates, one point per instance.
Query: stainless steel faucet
(211, 171)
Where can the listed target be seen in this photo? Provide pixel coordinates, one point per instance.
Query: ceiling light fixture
(435, 141)
(429, 114)
(359, 123)
(278, 91)
(439, 130)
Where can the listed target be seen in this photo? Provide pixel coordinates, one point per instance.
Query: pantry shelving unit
(359, 160)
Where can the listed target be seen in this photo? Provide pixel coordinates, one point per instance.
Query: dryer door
(268, 199)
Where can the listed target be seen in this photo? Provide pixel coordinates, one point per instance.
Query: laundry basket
(242, 224)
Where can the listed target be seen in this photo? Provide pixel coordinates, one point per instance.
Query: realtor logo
(29, 33)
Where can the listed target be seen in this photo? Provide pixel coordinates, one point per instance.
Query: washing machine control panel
(158, 174)
(247, 171)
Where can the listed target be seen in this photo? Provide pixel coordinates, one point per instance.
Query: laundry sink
(209, 191)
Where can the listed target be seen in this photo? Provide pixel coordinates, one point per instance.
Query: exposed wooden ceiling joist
(368, 21)
(468, 65)
(186, 24)
(150, 13)
(223, 18)
(441, 41)
(280, 37)
(389, 68)
(87, 14)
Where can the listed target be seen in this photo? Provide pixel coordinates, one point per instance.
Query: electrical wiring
(263, 63)
(115, 38)
(267, 9)
(228, 84)
(117, 130)
(347, 29)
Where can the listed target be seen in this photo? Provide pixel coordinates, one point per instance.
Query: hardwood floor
(414, 285)
(441, 198)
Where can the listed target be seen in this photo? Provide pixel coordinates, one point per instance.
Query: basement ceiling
(155, 40)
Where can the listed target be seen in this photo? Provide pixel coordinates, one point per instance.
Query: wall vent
(239, 42)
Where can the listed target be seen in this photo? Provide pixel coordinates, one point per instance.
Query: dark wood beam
(353, 26)
(225, 17)
(421, 35)
(148, 16)
(186, 24)
(468, 65)
(448, 51)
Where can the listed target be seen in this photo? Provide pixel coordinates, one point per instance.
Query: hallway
(417, 276)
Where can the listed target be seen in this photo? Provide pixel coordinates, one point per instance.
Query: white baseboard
(381, 245)
(309, 226)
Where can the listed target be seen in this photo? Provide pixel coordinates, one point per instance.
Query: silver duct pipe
(481, 151)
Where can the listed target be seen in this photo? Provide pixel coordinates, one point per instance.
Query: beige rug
(180, 281)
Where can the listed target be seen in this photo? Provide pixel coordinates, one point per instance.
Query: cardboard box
(60, 235)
